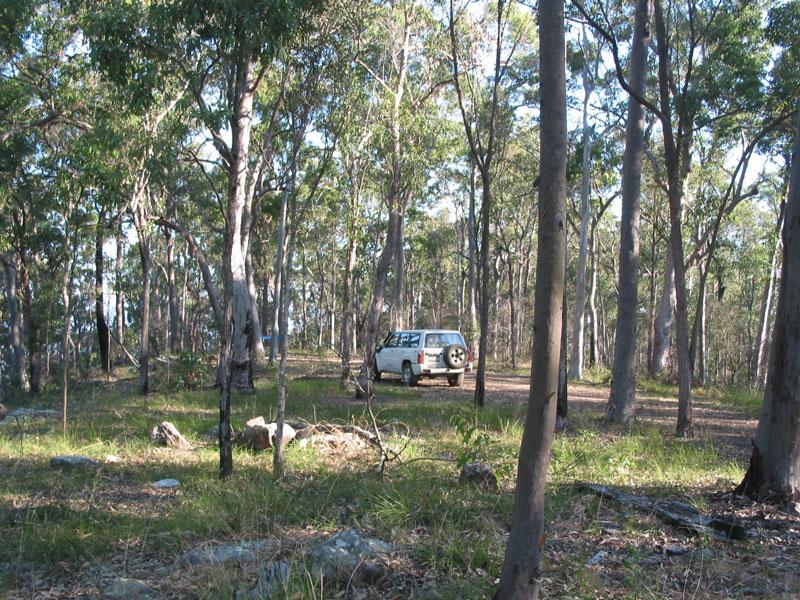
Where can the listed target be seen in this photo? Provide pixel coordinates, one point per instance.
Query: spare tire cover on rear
(455, 356)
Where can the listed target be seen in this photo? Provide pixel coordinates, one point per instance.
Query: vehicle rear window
(442, 340)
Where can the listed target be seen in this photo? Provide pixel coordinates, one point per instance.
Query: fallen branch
(676, 513)
(387, 454)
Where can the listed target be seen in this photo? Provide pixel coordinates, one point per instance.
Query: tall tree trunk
(32, 327)
(378, 297)
(119, 321)
(256, 339)
(698, 325)
(397, 320)
(622, 400)
(594, 341)
(521, 573)
(562, 404)
(144, 336)
(66, 295)
(280, 408)
(576, 367)
(347, 305)
(473, 292)
(17, 354)
(672, 153)
(774, 470)
(276, 279)
(766, 306)
(662, 328)
(172, 297)
(234, 365)
(486, 272)
(512, 321)
(103, 337)
(236, 288)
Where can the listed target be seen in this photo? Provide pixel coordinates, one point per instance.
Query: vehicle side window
(393, 341)
(412, 341)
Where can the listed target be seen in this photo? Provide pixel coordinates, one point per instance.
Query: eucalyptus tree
(621, 400)
(406, 71)
(521, 572)
(481, 100)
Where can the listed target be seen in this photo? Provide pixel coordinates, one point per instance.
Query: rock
(703, 554)
(21, 414)
(166, 484)
(480, 474)
(259, 435)
(597, 558)
(127, 588)
(111, 459)
(271, 580)
(349, 554)
(72, 461)
(220, 554)
(167, 434)
(675, 550)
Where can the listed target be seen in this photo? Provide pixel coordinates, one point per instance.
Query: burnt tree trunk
(103, 337)
(774, 471)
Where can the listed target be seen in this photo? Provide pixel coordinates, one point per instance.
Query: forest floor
(70, 533)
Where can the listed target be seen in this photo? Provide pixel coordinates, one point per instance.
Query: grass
(62, 520)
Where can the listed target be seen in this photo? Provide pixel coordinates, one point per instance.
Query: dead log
(674, 512)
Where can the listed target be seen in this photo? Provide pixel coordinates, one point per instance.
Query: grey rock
(271, 580)
(350, 554)
(675, 550)
(259, 435)
(597, 558)
(166, 484)
(127, 588)
(220, 554)
(609, 527)
(21, 414)
(480, 474)
(72, 461)
(166, 434)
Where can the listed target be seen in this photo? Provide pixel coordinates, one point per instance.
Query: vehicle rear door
(387, 358)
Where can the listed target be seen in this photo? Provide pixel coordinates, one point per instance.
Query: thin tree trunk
(102, 327)
(473, 315)
(576, 367)
(120, 299)
(766, 305)
(280, 408)
(562, 404)
(594, 341)
(521, 573)
(774, 471)
(144, 336)
(347, 304)
(621, 402)
(33, 329)
(397, 320)
(662, 327)
(672, 152)
(172, 299)
(17, 354)
(276, 279)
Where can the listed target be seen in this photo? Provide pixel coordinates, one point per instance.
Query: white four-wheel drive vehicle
(424, 353)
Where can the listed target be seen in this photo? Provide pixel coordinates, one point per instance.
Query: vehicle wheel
(407, 375)
(455, 380)
(455, 356)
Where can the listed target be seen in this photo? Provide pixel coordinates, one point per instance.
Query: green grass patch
(52, 517)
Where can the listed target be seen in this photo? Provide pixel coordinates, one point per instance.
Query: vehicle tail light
(420, 358)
